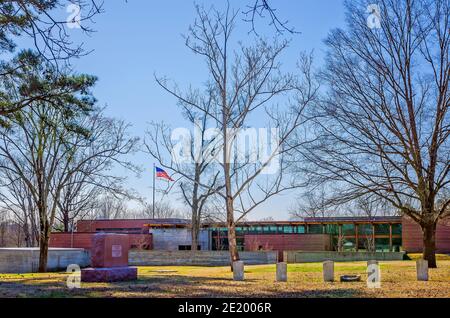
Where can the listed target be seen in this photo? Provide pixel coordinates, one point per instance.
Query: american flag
(160, 173)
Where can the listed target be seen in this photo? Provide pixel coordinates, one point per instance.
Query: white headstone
(372, 262)
(373, 274)
(282, 272)
(238, 270)
(422, 270)
(328, 271)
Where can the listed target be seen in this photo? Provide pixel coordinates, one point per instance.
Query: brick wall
(288, 242)
(412, 241)
(84, 240)
(136, 225)
(95, 225)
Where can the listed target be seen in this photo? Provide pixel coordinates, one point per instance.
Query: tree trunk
(232, 245)
(429, 244)
(66, 221)
(27, 235)
(43, 251)
(195, 230)
(195, 217)
(44, 235)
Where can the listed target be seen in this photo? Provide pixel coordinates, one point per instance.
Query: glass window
(381, 229)
(349, 244)
(365, 229)
(348, 229)
(288, 229)
(270, 229)
(382, 244)
(219, 245)
(315, 228)
(396, 244)
(332, 229)
(240, 243)
(300, 229)
(397, 229)
(253, 230)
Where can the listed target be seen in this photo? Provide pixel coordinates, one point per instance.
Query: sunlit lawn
(304, 280)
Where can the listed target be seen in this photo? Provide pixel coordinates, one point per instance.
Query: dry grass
(305, 280)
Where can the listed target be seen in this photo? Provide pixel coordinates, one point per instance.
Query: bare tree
(241, 84)
(78, 198)
(163, 210)
(16, 198)
(92, 178)
(385, 125)
(110, 207)
(41, 145)
(261, 9)
(311, 204)
(38, 20)
(32, 152)
(198, 165)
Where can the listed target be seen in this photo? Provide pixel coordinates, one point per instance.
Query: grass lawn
(304, 280)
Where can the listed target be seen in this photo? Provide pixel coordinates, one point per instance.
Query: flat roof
(175, 222)
(319, 220)
(353, 219)
(156, 221)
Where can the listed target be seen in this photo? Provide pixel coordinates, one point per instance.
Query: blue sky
(135, 39)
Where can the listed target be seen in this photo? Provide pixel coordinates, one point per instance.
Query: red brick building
(84, 240)
(412, 236)
(135, 226)
(310, 234)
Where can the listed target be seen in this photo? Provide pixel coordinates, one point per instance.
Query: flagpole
(153, 204)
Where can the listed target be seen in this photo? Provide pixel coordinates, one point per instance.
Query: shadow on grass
(165, 286)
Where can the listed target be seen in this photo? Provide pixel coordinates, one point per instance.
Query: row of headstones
(328, 270)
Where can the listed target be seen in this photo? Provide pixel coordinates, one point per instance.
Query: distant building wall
(126, 225)
(287, 242)
(84, 240)
(172, 239)
(102, 225)
(412, 236)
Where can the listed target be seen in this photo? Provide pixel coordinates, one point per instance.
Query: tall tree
(42, 144)
(384, 127)
(312, 204)
(197, 168)
(263, 9)
(92, 177)
(245, 81)
(36, 20)
(163, 210)
(16, 198)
